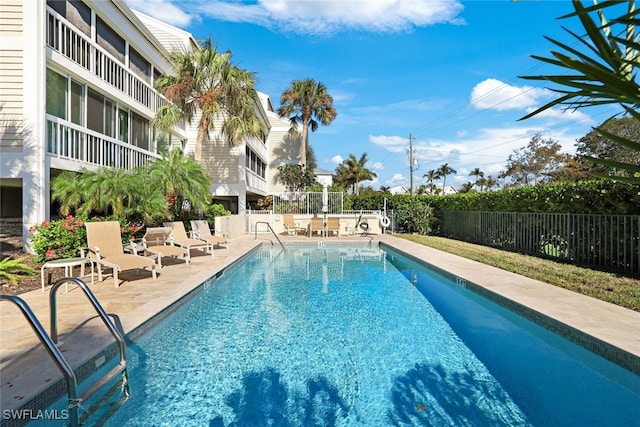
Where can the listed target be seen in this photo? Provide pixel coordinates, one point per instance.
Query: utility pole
(411, 163)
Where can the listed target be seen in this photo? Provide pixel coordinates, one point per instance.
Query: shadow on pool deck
(27, 371)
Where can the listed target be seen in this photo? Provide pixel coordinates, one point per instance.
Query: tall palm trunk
(303, 145)
(202, 133)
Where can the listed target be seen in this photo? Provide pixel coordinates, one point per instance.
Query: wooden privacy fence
(609, 242)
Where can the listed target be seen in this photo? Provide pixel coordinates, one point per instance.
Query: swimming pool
(361, 337)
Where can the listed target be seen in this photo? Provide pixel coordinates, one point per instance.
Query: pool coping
(617, 339)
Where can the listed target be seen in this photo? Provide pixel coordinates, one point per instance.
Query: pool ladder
(272, 232)
(50, 344)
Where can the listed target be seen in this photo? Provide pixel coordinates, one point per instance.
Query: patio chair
(158, 241)
(333, 225)
(180, 238)
(200, 230)
(317, 226)
(106, 250)
(293, 228)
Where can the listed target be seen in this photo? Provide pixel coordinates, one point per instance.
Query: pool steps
(50, 343)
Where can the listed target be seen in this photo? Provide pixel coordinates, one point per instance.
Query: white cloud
(337, 159)
(376, 166)
(492, 94)
(396, 179)
(163, 10)
(317, 17)
(394, 144)
(487, 149)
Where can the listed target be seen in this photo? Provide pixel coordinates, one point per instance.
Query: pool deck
(27, 370)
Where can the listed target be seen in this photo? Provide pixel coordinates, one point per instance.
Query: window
(56, 94)
(77, 103)
(109, 40)
(255, 163)
(139, 66)
(139, 131)
(76, 12)
(109, 118)
(123, 125)
(101, 113)
(95, 111)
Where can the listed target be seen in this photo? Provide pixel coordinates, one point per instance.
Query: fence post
(515, 231)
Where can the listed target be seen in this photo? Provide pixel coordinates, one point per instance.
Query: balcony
(255, 183)
(63, 38)
(68, 141)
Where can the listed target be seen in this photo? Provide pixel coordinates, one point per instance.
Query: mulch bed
(11, 246)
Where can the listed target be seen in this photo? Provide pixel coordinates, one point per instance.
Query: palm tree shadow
(264, 400)
(432, 396)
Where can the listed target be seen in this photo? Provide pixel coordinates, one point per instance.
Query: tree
(490, 182)
(305, 103)
(467, 187)
(445, 170)
(536, 163)
(432, 175)
(154, 192)
(352, 171)
(478, 174)
(296, 178)
(181, 180)
(106, 190)
(595, 145)
(207, 85)
(605, 74)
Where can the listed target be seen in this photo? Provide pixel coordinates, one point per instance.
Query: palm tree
(306, 102)
(445, 170)
(467, 187)
(491, 182)
(432, 175)
(106, 190)
(207, 85)
(352, 171)
(67, 188)
(478, 174)
(605, 74)
(181, 179)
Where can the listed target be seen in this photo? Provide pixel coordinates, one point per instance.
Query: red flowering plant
(61, 238)
(64, 238)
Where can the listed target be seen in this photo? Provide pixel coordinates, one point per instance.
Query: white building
(76, 80)
(77, 90)
(244, 173)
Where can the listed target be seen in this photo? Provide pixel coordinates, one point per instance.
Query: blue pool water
(361, 337)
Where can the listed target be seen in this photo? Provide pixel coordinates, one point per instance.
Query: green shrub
(64, 238)
(10, 269)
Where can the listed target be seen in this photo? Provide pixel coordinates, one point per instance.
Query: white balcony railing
(69, 141)
(63, 37)
(255, 182)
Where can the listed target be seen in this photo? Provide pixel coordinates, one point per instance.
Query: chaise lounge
(104, 242)
(180, 238)
(158, 241)
(201, 231)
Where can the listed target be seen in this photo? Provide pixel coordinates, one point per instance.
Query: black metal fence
(607, 242)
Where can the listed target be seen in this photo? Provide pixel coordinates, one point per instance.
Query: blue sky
(444, 71)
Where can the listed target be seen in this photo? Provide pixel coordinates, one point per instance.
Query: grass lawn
(610, 287)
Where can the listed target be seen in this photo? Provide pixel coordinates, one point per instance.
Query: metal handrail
(122, 366)
(270, 228)
(96, 305)
(54, 352)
